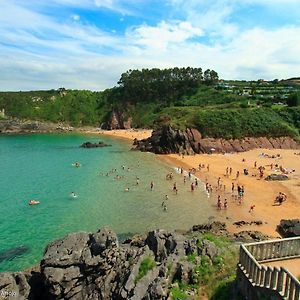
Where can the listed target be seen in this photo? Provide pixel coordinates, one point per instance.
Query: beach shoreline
(258, 192)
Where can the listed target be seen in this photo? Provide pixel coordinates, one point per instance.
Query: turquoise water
(40, 167)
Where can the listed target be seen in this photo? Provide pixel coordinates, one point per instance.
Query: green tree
(293, 100)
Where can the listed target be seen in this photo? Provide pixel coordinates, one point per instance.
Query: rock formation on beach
(166, 140)
(97, 266)
(289, 228)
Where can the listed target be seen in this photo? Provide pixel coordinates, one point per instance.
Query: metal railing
(278, 279)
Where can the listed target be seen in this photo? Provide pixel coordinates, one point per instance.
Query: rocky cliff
(19, 126)
(97, 266)
(117, 120)
(168, 140)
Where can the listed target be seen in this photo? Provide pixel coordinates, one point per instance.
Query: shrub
(147, 264)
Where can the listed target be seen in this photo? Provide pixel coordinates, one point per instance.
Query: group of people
(281, 197)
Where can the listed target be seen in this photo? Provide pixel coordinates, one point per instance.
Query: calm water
(40, 167)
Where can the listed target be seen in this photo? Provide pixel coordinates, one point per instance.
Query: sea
(41, 167)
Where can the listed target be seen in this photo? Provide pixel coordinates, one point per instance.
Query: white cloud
(161, 36)
(38, 52)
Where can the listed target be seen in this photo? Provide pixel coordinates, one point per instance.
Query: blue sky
(87, 44)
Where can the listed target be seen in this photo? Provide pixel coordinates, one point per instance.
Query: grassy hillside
(183, 97)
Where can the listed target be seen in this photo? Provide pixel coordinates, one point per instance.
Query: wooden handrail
(279, 279)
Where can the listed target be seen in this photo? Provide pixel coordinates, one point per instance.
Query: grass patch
(178, 294)
(147, 264)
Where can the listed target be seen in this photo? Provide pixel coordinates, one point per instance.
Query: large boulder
(289, 228)
(167, 140)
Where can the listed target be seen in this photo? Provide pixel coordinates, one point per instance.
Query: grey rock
(289, 228)
(14, 286)
(67, 251)
(277, 177)
(209, 249)
(103, 239)
(250, 236)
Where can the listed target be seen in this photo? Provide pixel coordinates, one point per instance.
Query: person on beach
(174, 187)
(207, 168)
(251, 208)
(196, 182)
(225, 204)
(166, 197)
(184, 179)
(230, 171)
(232, 187)
(207, 187)
(219, 204)
(219, 179)
(255, 164)
(243, 191)
(227, 172)
(192, 187)
(237, 174)
(151, 185)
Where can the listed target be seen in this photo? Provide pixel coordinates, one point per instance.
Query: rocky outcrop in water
(96, 266)
(94, 145)
(168, 140)
(289, 228)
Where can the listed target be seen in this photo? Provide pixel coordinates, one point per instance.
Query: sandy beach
(258, 192)
(130, 134)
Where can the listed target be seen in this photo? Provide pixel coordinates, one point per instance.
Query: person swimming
(126, 189)
(33, 202)
(76, 164)
(73, 195)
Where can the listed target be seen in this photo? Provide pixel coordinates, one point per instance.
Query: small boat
(33, 202)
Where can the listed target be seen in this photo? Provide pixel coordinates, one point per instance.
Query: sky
(87, 44)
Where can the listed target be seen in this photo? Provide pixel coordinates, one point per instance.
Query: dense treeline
(183, 97)
(74, 107)
(165, 86)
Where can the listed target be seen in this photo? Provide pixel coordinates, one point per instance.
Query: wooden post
(267, 277)
(263, 275)
(287, 285)
(297, 292)
(291, 291)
